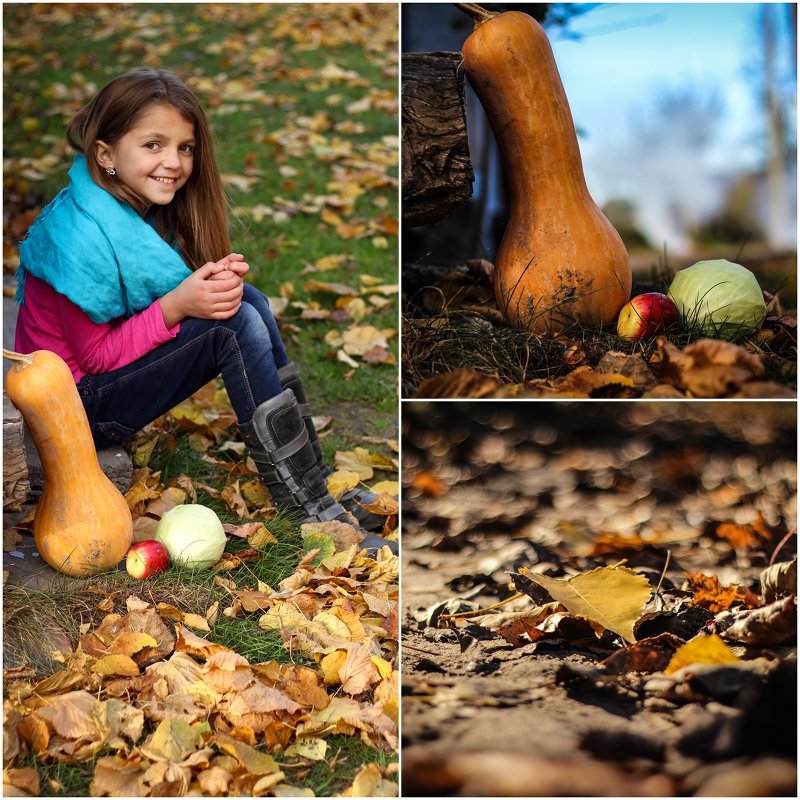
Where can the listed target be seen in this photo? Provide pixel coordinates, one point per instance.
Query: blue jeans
(246, 349)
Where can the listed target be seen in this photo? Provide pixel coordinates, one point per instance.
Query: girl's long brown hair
(197, 217)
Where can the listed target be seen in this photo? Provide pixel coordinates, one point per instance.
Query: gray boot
(277, 440)
(291, 380)
(354, 500)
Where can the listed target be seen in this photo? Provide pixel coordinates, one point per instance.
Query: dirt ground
(489, 488)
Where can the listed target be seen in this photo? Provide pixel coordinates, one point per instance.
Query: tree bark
(436, 167)
(16, 485)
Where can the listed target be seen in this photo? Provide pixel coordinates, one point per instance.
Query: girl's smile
(155, 157)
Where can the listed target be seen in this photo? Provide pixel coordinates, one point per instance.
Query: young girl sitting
(128, 275)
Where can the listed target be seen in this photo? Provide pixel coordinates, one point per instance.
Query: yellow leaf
(255, 493)
(267, 783)
(332, 262)
(189, 413)
(332, 624)
(282, 616)
(261, 537)
(361, 338)
(613, 597)
(384, 667)
(386, 487)
(356, 309)
(342, 481)
(196, 621)
(251, 759)
(116, 665)
(360, 460)
(130, 642)
(309, 747)
(173, 740)
(313, 285)
(330, 666)
(342, 356)
(701, 650)
(370, 783)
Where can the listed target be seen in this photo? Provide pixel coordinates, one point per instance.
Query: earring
(111, 171)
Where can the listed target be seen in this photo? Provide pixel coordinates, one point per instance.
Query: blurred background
(686, 119)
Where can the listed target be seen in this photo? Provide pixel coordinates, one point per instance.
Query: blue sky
(626, 54)
(628, 50)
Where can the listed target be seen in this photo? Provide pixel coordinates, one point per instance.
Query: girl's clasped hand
(124, 275)
(214, 291)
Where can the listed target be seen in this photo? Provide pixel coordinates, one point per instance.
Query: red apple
(646, 315)
(146, 559)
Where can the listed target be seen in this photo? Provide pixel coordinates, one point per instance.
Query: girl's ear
(103, 154)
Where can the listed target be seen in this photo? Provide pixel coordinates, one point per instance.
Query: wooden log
(436, 167)
(16, 486)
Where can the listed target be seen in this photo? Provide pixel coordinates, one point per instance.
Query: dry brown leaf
(21, 782)
(358, 672)
(428, 483)
(708, 367)
(744, 536)
(711, 594)
(769, 626)
(458, 383)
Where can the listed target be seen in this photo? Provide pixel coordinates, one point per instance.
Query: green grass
(346, 753)
(61, 780)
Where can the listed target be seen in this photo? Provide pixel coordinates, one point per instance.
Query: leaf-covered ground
(274, 672)
(457, 345)
(599, 599)
(303, 103)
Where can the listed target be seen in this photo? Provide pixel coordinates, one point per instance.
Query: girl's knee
(253, 296)
(247, 323)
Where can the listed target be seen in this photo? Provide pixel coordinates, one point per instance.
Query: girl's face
(155, 157)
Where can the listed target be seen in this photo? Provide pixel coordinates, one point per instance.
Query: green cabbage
(720, 298)
(192, 534)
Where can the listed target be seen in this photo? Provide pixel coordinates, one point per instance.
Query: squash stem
(19, 358)
(478, 14)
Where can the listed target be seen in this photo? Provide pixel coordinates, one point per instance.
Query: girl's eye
(187, 148)
(152, 145)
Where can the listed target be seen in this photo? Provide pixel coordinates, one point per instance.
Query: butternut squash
(83, 524)
(560, 260)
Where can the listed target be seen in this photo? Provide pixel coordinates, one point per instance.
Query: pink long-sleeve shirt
(49, 321)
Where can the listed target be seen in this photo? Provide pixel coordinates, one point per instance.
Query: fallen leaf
(708, 367)
(778, 580)
(309, 747)
(369, 782)
(116, 665)
(174, 740)
(701, 650)
(613, 597)
(711, 594)
(769, 626)
(458, 383)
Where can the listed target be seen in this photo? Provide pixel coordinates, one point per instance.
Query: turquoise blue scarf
(98, 252)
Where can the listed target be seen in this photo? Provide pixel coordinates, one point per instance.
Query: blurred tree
(778, 89)
(622, 215)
